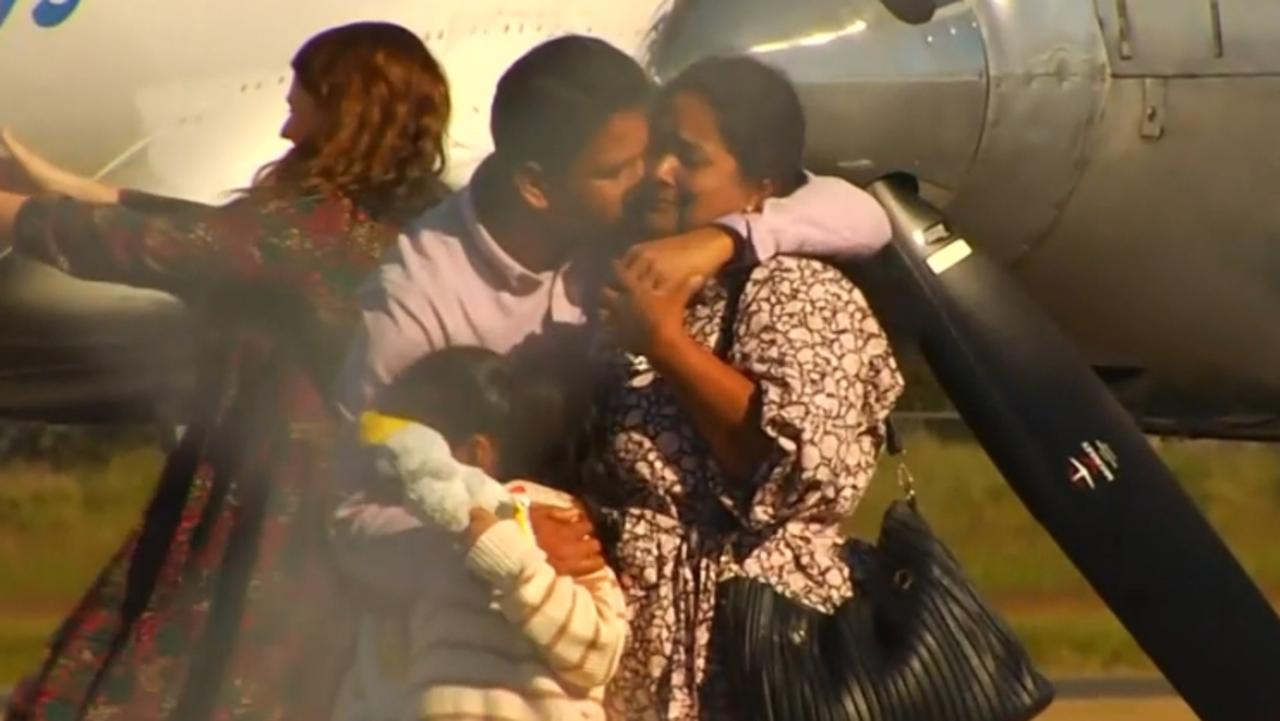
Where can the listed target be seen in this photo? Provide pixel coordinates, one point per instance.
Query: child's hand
(481, 520)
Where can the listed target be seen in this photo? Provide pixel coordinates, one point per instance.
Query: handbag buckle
(907, 483)
(797, 635)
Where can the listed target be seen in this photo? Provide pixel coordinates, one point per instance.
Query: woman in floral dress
(224, 605)
(742, 419)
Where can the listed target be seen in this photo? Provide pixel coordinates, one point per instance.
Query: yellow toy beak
(376, 428)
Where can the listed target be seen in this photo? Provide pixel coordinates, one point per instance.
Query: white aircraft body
(1116, 157)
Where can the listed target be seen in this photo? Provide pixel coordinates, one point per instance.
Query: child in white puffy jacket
(494, 632)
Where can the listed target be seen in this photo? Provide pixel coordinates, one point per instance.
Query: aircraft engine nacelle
(1116, 155)
(133, 357)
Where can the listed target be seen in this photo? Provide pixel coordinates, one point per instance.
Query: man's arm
(825, 218)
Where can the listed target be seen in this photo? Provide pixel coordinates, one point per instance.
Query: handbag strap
(734, 283)
(893, 446)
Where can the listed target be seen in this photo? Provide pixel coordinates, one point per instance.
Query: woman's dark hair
(758, 114)
(384, 108)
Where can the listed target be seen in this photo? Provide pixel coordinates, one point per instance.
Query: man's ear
(481, 451)
(531, 184)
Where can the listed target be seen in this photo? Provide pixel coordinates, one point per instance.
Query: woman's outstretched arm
(55, 180)
(10, 204)
(272, 244)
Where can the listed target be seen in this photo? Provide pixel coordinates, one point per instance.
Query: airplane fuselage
(1115, 156)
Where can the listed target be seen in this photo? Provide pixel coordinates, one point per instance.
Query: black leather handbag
(915, 643)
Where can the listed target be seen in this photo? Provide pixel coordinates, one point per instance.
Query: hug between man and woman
(625, 315)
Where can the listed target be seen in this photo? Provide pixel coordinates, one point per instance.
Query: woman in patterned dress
(223, 605)
(735, 441)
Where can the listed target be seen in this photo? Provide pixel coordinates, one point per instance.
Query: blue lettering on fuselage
(46, 13)
(6, 7)
(52, 13)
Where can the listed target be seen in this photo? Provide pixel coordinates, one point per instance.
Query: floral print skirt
(232, 610)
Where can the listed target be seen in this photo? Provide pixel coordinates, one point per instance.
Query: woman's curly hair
(384, 108)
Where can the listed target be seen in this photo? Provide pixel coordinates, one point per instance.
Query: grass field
(57, 527)
(59, 524)
(1014, 561)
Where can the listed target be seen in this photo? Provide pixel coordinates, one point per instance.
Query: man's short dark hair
(556, 97)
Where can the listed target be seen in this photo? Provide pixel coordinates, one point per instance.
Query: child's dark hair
(545, 429)
(465, 391)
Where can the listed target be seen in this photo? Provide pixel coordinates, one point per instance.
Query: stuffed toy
(438, 489)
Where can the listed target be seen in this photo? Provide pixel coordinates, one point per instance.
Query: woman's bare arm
(648, 316)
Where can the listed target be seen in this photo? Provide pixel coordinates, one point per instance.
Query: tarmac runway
(1120, 687)
(1121, 698)
(1147, 709)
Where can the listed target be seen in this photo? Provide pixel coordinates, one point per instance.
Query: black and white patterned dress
(827, 381)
